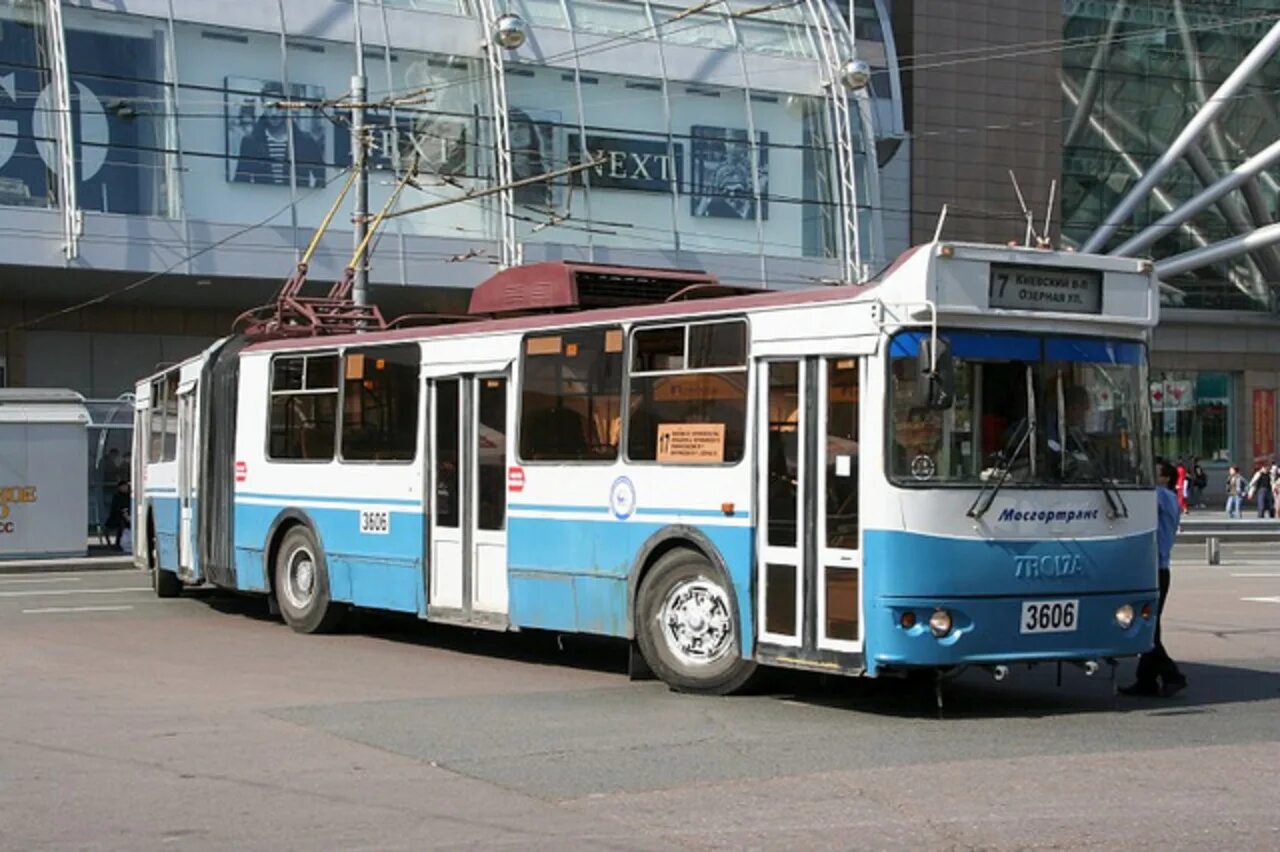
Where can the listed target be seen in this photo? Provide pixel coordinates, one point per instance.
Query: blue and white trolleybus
(949, 465)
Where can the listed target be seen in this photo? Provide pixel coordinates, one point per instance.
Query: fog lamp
(1124, 616)
(940, 622)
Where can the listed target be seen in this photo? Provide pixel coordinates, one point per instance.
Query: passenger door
(467, 529)
(187, 455)
(808, 537)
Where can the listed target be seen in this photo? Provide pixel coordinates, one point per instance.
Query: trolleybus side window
(842, 453)
(164, 419)
(784, 458)
(571, 396)
(687, 396)
(380, 403)
(302, 424)
(491, 452)
(446, 453)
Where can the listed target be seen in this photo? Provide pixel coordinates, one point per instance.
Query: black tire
(302, 584)
(687, 626)
(165, 583)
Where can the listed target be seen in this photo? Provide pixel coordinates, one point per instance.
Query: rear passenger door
(469, 429)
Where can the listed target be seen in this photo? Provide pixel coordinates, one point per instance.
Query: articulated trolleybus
(947, 466)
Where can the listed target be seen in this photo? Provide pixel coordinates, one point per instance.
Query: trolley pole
(359, 153)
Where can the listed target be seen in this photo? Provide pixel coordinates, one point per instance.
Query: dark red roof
(563, 284)
(729, 304)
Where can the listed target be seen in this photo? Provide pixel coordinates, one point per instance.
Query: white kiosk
(43, 463)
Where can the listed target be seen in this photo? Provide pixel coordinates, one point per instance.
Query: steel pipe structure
(1253, 61)
(1237, 177)
(1264, 237)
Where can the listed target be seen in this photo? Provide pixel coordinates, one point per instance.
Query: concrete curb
(61, 566)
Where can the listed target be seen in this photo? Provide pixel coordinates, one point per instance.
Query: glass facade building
(723, 135)
(1135, 72)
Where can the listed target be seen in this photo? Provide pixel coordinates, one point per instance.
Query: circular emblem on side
(622, 498)
(923, 467)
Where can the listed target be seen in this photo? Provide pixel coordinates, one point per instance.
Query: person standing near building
(1236, 488)
(1260, 490)
(1157, 673)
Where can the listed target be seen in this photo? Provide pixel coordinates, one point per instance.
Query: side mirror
(937, 385)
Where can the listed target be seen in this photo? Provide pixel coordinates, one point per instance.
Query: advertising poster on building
(117, 121)
(1264, 426)
(258, 132)
(534, 151)
(721, 184)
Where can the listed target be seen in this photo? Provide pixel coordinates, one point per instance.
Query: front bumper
(986, 631)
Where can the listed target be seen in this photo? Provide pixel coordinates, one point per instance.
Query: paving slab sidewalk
(106, 561)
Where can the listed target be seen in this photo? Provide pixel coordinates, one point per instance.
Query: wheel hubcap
(301, 580)
(697, 623)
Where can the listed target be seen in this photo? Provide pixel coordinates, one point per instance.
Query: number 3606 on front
(1049, 616)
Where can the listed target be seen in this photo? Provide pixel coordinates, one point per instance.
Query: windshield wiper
(985, 498)
(1109, 488)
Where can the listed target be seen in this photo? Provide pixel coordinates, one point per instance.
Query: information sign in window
(687, 399)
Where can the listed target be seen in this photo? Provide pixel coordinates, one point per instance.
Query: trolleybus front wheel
(302, 584)
(686, 626)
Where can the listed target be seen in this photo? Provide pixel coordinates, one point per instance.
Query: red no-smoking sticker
(242, 471)
(515, 479)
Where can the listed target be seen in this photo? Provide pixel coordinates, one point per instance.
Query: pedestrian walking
(1275, 489)
(1157, 673)
(118, 516)
(1237, 486)
(1199, 482)
(1180, 485)
(1260, 490)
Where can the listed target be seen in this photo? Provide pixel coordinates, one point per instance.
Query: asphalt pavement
(129, 722)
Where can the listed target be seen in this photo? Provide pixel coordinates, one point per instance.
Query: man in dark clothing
(118, 516)
(264, 151)
(1156, 665)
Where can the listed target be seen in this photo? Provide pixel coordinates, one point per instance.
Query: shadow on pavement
(971, 694)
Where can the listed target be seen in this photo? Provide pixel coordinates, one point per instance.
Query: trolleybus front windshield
(1053, 411)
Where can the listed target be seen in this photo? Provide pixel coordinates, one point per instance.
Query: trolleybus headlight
(1124, 616)
(908, 620)
(1146, 612)
(940, 622)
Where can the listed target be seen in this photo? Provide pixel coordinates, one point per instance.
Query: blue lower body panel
(376, 571)
(164, 513)
(569, 602)
(573, 575)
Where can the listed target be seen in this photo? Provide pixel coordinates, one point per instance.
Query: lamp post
(359, 218)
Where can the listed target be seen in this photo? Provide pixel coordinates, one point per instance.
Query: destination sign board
(1040, 288)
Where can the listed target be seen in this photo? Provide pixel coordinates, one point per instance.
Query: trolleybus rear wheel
(302, 584)
(686, 626)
